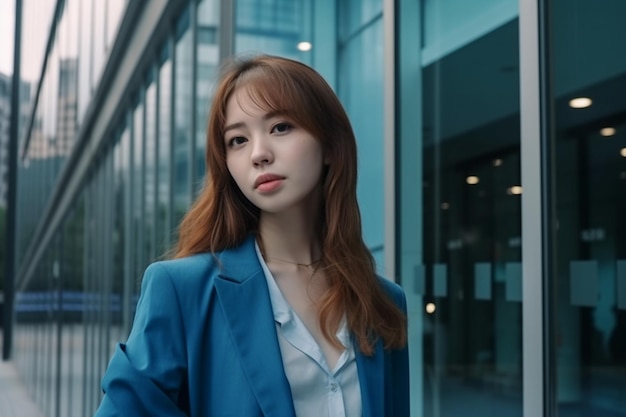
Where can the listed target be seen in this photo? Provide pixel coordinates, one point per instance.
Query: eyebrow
(266, 117)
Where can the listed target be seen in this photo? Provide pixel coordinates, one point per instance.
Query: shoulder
(188, 275)
(189, 266)
(196, 272)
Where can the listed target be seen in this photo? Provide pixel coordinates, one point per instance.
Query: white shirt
(317, 391)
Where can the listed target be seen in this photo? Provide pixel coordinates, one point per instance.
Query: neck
(290, 239)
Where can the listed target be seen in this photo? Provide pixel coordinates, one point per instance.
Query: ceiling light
(430, 308)
(497, 162)
(515, 190)
(445, 206)
(580, 102)
(472, 180)
(607, 131)
(305, 46)
(623, 152)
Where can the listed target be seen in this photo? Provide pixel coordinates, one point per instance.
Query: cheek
(234, 172)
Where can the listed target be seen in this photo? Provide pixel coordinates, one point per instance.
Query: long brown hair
(222, 217)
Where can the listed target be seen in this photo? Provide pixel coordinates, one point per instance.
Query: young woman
(271, 306)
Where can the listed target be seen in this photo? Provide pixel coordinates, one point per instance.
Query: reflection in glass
(98, 41)
(85, 64)
(163, 214)
(275, 27)
(472, 341)
(183, 85)
(360, 89)
(114, 12)
(590, 201)
(206, 70)
(137, 190)
(150, 167)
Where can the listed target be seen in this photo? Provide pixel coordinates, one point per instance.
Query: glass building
(492, 181)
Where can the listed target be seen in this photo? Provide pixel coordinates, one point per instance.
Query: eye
(281, 128)
(236, 141)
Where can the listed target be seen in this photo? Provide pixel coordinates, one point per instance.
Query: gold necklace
(298, 264)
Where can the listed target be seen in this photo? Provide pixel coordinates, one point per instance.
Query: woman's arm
(147, 375)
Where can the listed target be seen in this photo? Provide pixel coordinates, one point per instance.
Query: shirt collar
(280, 307)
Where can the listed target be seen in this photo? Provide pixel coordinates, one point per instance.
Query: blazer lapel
(243, 294)
(371, 379)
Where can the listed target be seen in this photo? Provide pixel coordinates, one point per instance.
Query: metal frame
(389, 122)
(9, 283)
(534, 249)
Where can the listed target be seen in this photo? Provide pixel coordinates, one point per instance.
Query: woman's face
(276, 164)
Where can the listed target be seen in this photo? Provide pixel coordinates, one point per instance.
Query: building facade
(5, 113)
(492, 181)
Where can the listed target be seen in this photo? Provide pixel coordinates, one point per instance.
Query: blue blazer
(204, 344)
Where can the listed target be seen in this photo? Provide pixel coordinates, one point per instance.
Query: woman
(271, 306)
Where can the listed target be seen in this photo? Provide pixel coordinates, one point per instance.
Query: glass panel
(357, 14)
(164, 177)
(90, 298)
(274, 27)
(67, 101)
(182, 119)
(72, 358)
(120, 186)
(114, 13)
(85, 58)
(36, 20)
(150, 175)
(137, 190)
(206, 65)
(459, 253)
(361, 64)
(590, 201)
(98, 41)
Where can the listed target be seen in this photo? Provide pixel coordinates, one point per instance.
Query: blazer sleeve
(147, 375)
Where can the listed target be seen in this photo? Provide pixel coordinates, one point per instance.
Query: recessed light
(445, 206)
(430, 308)
(497, 162)
(623, 152)
(515, 190)
(305, 46)
(607, 131)
(472, 180)
(580, 102)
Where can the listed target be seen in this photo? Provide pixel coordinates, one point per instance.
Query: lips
(266, 179)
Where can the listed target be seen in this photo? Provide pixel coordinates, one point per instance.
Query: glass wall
(360, 88)
(183, 116)
(459, 255)
(79, 300)
(589, 174)
(351, 61)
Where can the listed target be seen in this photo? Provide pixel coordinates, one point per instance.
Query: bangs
(274, 92)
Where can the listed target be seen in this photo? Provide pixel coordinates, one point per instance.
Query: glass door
(459, 255)
(589, 142)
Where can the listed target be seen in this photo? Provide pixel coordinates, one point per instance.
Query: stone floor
(14, 398)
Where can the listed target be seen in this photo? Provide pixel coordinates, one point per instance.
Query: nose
(261, 152)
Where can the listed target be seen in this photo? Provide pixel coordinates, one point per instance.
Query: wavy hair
(222, 217)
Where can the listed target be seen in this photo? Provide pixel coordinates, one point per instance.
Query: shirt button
(333, 387)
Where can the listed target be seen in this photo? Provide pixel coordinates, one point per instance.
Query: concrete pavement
(15, 400)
